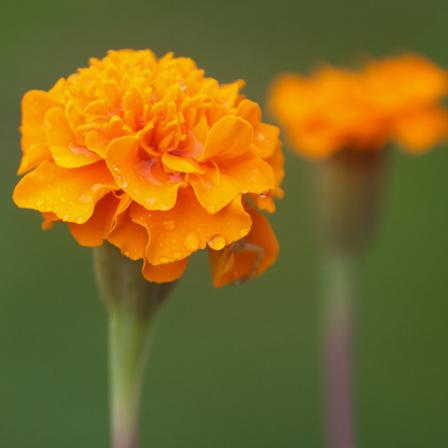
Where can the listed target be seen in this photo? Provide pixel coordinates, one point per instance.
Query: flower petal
(247, 258)
(34, 154)
(35, 105)
(163, 273)
(229, 137)
(266, 140)
(181, 164)
(220, 185)
(419, 131)
(263, 202)
(97, 142)
(71, 194)
(49, 219)
(277, 162)
(253, 174)
(143, 180)
(130, 237)
(133, 239)
(214, 190)
(102, 222)
(186, 228)
(266, 136)
(62, 141)
(250, 111)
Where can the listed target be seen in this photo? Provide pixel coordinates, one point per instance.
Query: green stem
(339, 295)
(132, 303)
(129, 337)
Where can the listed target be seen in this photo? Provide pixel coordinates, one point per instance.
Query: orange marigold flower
(391, 100)
(156, 158)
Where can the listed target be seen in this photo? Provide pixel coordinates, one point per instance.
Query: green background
(237, 367)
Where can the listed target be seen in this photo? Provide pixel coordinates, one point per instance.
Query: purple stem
(337, 352)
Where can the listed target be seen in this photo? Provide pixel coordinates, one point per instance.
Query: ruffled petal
(34, 154)
(247, 258)
(228, 138)
(145, 181)
(250, 111)
(318, 143)
(49, 219)
(71, 194)
(266, 140)
(419, 131)
(265, 200)
(266, 136)
(186, 228)
(163, 273)
(102, 222)
(252, 173)
(220, 185)
(277, 162)
(97, 143)
(130, 237)
(62, 141)
(214, 190)
(181, 164)
(35, 105)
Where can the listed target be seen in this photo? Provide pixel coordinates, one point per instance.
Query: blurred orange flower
(391, 100)
(157, 159)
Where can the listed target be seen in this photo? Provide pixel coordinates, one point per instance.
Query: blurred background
(237, 367)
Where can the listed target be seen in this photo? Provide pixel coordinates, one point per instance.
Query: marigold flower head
(156, 158)
(391, 100)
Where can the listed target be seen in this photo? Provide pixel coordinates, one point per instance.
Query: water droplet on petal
(191, 241)
(217, 242)
(169, 224)
(243, 232)
(177, 255)
(150, 202)
(79, 220)
(80, 150)
(84, 198)
(121, 181)
(163, 260)
(145, 169)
